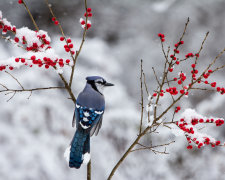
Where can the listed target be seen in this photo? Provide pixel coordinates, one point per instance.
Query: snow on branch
(190, 118)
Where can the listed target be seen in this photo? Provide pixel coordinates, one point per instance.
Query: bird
(88, 114)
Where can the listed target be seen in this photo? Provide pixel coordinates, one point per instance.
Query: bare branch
(11, 41)
(203, 42)
(156, 76)
(34, 89)
(32, 18)
(152, 147)
(60, 26)
(81, 45)
(12, 96)
(15, 79)
(142, 99)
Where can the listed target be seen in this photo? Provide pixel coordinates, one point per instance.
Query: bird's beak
(108, 84)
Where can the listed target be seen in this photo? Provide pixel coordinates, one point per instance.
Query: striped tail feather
(79, 144)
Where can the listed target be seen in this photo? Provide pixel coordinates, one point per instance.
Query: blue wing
(88, 119)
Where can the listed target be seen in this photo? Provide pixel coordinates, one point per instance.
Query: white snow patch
(149, 108)
(87, 157)
(67, 154)
(59, 71)
(177, 132)
(151, 119)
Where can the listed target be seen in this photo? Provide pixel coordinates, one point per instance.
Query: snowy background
(34, 133)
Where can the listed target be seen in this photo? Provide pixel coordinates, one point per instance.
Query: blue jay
(88, 113)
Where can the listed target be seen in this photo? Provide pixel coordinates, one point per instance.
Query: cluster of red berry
(193, 136)
(162, 37)
(84, 22)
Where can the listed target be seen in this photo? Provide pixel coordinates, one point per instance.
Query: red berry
(213, 84)
(33, 57)
(89, 14)
(16, 39)
(46, 66)
(22, 60)
(193, 65)
(218, 89)
(62, 38)
(53, 19)
(82, 22)
(177, 62)
(67, 49)
(210, 71)
(88, 9)
(20, 1)
(88, 25)
(67, 61)
(70, 45)
(69, 41)
(182, 91)
(217, 143)
(11, 68)
(182, 42)
(14, 29)
(155, 94)
(17, 59)
(56, 22)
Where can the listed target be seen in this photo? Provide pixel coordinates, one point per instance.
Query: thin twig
(15, 79)
(4, 86)
(12, 96)
(156, 76)
(29, 90)
(152, 147)
(146, 89)
(11, 41)
(60, 27)
(203, 89)
(32, 18)
(142, 98)
(203, 42)
(81, 45)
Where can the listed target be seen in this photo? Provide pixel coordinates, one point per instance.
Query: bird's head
(98, 83)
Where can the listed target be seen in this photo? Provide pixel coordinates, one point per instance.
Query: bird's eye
(99, 82)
